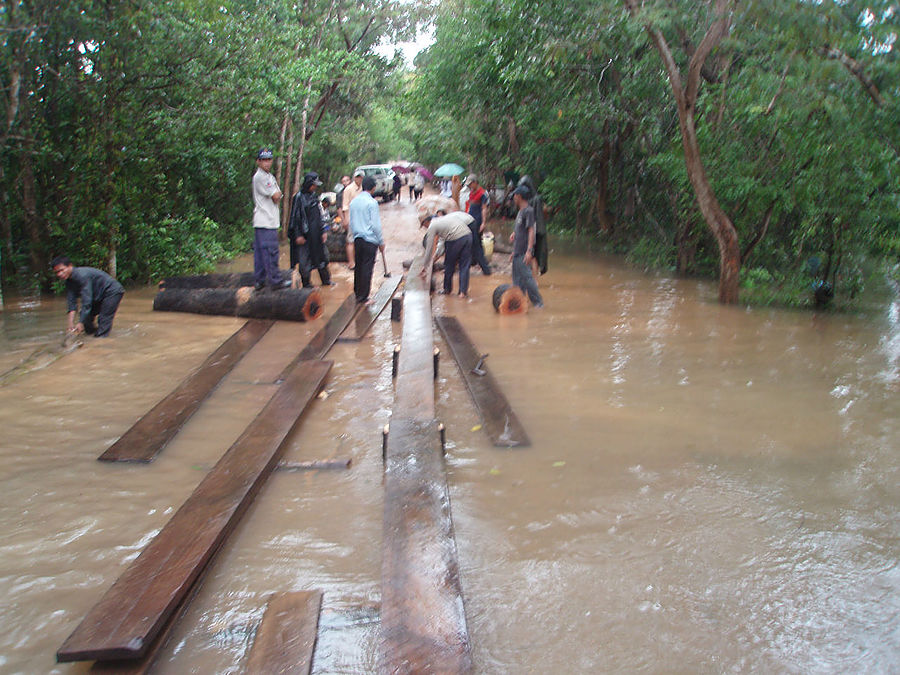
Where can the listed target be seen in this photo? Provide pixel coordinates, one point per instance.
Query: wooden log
(325, 338)
(500, 422)
(286, 637)
(150, 434)
(509, 299)
(124, 623)
(368, 313)
(304, 304)
(423, 618)
(227, 280)
(337, 245)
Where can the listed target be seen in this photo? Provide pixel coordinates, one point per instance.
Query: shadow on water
(709, 489)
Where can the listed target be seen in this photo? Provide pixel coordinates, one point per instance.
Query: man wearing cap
(475, 208)
(365, 222)
(522, 240)
(454, 229)
(307, 232)
(348, 195)
(266, 196)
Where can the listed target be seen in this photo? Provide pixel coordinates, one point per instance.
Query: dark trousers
(306, 264)
(457, 251)
(364, 253)
(265, 257)
(524, 279)
(477, 249)
(104, 311)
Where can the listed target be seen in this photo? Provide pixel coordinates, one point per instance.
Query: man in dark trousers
(308, 232)
(475, 207)
(99, 293)
(522, 239)
(365, 222)
(541, 251)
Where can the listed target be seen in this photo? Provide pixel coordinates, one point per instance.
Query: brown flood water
(710, 489)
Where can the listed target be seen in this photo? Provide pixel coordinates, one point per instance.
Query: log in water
(304, 304)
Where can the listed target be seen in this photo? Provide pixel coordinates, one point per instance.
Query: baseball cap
(359, 172)
(471, 178)
(264, 153)
(522, 190)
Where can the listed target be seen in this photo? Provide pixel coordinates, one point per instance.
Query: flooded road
(710, 489)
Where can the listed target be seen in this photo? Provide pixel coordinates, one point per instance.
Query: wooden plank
(500, 422)
(124, 623)
(152, 432)
(422, 617)
(367, 315)
(287, 635)
(315, 465)
(325, 338)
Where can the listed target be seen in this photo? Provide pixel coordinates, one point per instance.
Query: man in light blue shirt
(365, 225)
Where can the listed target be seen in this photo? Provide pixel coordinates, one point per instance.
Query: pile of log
(228, 295)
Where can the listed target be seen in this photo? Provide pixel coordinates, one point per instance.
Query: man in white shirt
(266, 222)
(454, 229)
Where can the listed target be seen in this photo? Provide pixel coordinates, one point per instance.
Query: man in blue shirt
(365, 224)
(99, 293)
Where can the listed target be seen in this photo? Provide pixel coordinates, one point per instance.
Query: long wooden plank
(367, 315)
(325, 338)
(152, 432)
(500, 422)
(125, 621)
(287, 635)
(422, 617)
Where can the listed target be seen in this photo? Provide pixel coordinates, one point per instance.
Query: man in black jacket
(99, 293)
(308, 233)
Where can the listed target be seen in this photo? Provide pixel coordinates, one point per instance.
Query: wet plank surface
(287, 635)
(150, 434)
(124, 623)
(367, 315)
(499, 420)
(325, 338)
(423, 622)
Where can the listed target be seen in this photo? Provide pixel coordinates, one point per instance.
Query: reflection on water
(710, 489)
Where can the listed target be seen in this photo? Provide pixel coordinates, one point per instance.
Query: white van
(384, 179)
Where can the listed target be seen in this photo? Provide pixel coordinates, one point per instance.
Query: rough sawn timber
(125, 621)
(423, 621)
(150, 434)
(286, 637)
(367, 315)
(500, 422)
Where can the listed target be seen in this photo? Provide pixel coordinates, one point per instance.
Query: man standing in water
(475, 208)
(266, 222)
(308, 233)
(351, 192)
(522, 239)
(99, 293)
(365, 221)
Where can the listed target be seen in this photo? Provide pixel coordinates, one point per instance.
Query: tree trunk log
(509, 299)
(304, 304)
(231, 280)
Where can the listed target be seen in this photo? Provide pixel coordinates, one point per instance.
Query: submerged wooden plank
(500, 422)
(125, 621)
(150, 434)
(422, 617)
(367, 315)
(325, 338)
(287, 635)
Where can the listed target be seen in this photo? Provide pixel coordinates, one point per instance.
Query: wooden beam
(125, 621)
(367, 315)
(152, 432)
(286, 637)
(325, 338)
(422, 617)
(500, 422)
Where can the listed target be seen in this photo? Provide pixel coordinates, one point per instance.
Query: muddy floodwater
(710, 489)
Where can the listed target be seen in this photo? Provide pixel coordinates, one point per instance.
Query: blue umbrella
(449, 170)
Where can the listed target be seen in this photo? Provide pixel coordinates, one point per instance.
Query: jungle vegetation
(754, 142)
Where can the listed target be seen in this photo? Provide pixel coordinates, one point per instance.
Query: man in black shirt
(100, 296)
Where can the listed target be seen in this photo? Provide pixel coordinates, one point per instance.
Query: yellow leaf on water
(559, 463)
(494, 472)
(477, 427)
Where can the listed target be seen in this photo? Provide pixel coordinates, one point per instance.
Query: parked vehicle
(384, 179)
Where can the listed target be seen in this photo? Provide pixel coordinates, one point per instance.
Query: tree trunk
(686, 98)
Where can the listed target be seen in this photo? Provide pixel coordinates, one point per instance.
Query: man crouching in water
(99, 293)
